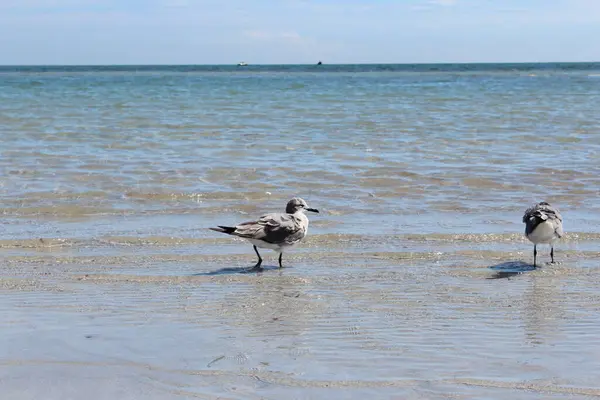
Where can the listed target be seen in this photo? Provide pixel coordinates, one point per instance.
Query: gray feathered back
(539, 213)
(542, 211)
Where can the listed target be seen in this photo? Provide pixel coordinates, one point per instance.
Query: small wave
(40, 243)
(313, 240)
(219, 195)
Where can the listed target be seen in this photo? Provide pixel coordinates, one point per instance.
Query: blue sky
(297, 31)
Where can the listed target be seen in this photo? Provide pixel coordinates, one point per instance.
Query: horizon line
(302, 64)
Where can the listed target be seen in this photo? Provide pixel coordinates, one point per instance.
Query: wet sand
(351, 316)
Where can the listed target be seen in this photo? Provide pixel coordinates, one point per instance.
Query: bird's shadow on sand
(238, 270)
(506, 270)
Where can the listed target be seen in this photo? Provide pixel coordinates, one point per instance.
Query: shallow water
(414, 281)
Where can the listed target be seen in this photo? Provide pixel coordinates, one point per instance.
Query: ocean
(414, 280)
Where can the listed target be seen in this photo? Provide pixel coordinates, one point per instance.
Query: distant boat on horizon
(242, 64)
(319, 63)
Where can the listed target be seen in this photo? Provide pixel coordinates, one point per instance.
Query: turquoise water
(409, 143)
(109, 177)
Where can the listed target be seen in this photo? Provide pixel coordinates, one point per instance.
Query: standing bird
(277, 231)
(543, 224)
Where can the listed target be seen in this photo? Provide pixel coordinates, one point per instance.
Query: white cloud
(293, 36)
(257, 34)
(176, 3)
(34, 6)
(445, 3)
(290, 36)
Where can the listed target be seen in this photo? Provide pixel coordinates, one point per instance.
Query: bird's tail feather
(224, 229)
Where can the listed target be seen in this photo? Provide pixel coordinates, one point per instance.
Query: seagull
(543, 224)
(276, 231)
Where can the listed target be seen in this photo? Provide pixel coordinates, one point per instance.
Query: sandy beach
(160, 318)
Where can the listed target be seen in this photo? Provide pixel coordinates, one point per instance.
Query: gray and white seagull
(543, 224)
(276, 231)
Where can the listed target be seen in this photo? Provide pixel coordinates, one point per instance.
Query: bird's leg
(552, 254)
(259, 258)
(534, 254)
(280, 255)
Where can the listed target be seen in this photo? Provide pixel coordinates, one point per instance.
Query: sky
(93, 32)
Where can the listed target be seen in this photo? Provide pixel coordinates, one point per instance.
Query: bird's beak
(312, 209)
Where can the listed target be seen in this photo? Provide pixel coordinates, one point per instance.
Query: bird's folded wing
(543, 212)
(552, 213)
(529, 213)
(559, 229)
(272, 228)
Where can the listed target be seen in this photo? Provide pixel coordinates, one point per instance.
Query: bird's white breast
(265, 245)
(304, 219)
(543, 233)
